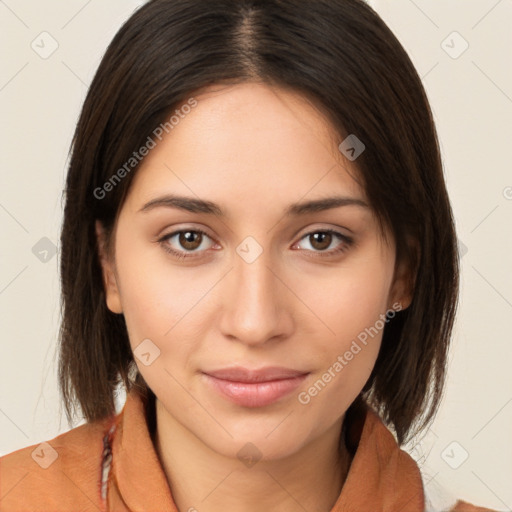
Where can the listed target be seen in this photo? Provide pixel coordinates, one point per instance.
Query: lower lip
(255, 394)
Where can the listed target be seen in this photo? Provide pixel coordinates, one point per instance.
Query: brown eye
(190, 240)
(321, 240)
(186, 243)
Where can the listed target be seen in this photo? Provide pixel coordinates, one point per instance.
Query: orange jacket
(95, 467)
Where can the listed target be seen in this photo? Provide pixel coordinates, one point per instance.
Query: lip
(254, 388)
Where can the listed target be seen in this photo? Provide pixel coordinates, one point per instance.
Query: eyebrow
(194, 205)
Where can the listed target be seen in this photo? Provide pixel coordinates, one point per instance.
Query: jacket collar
(382, 477)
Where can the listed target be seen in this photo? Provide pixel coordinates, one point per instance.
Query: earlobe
(402, 290)
(112, 296)
(401, 299)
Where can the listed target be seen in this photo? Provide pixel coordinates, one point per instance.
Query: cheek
(156, 298)
(351, 305)
(345, 357)
(164, 303)
(155, 294)
(348, 301)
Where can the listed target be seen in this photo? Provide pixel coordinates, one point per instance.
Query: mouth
(254, 388)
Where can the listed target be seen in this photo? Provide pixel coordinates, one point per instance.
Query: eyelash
(347, 243)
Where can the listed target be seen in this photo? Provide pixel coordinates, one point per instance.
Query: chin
(264, 440)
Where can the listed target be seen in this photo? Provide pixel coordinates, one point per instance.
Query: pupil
(187, 240)
(320, 239)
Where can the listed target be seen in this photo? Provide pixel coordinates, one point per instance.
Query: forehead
(248, 140)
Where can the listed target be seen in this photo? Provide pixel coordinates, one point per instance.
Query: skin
(252, 149)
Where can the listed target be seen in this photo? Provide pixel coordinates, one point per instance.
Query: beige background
(471, 94)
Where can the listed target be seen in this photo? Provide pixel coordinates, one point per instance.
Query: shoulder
(462, 506)
(60, 474)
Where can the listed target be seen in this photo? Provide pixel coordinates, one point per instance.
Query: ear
(113, 297)
(404, 280)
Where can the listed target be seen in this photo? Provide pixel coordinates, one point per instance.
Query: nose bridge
(255, 284)
(254, 303)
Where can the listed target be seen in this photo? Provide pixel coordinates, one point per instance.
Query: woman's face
(265, 286)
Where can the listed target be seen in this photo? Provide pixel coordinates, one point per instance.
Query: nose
(256, 305)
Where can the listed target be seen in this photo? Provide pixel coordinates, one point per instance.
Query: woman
(259, 246)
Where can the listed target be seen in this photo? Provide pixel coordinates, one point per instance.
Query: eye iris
(324, 240)
(186, 239)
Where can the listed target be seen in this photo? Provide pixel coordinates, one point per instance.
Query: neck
(204, 480)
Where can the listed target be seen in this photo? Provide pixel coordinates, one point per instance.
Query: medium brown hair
(342, 56)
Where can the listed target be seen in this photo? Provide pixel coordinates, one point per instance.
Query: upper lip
(266, 374)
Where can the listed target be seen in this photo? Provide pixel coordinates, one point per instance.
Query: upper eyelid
(335, 231)
(309, 230)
